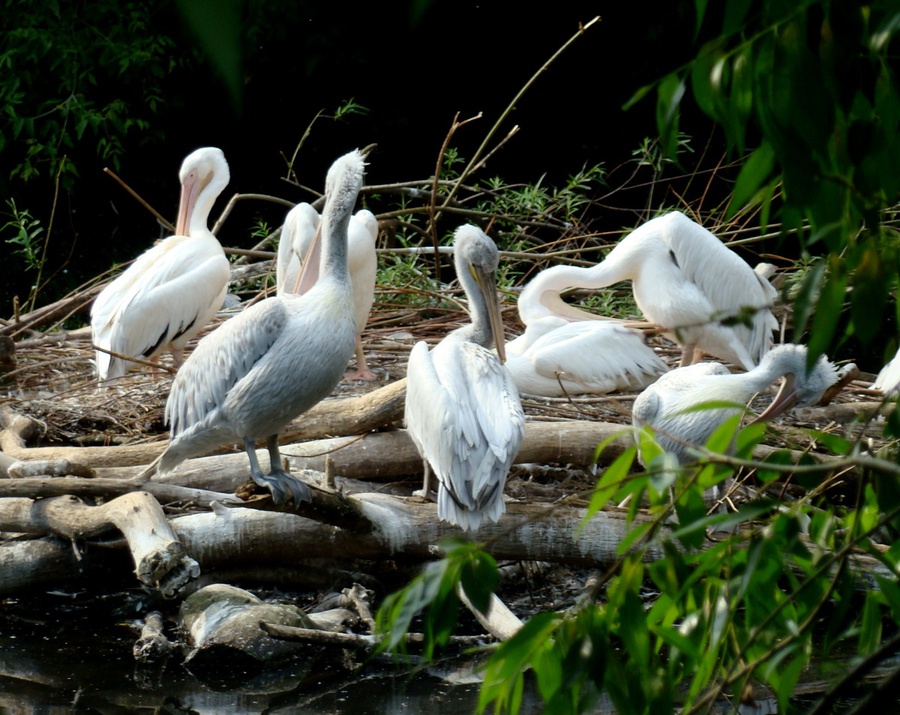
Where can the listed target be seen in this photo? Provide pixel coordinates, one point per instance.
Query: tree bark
(160, 560)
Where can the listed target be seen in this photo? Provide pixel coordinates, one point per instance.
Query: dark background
(413, 76)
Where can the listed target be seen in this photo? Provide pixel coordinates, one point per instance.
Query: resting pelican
(273, 361)
(554, 357)
(298, 235)
(462, 408)
(668, 405)
(684, 279)
(174, 288)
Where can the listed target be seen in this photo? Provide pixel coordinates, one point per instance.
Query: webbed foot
(283, 486)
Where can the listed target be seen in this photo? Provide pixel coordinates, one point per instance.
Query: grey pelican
(669, 405)
(462, 409)
(173, 289)
(298, 237)
(273, 361)
(684, 279)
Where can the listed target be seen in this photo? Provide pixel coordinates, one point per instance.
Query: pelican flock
(298, 238)
(174, 288)
(672, 405)
(462, 409)
(262, 368)
(684, 279)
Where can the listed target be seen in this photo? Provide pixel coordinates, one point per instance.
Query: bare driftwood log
(159, 559)
(351, 415)
(53, 312)
(499, 621)
(221, 624)
(152, 645)
(36, 487)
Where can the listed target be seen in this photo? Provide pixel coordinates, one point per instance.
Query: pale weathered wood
(160, 560)
(37, 487)
(352, 415)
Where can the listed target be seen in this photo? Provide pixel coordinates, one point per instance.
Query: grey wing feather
(464, 414)
(220, 360)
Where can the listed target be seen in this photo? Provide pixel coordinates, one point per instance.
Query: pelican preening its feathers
(259, 370)
(174, 288)
(684, 279)
(298, 237)
(462, 409)
(669, 405)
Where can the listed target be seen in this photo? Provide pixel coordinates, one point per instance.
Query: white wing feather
(167, 295)
(464, 415)
(587, 357)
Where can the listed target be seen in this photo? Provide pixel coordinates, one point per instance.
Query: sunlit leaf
(610, 481)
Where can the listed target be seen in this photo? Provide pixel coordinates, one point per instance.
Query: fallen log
(352, 415)
(159, 559)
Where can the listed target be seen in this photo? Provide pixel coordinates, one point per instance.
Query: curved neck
(481, 331)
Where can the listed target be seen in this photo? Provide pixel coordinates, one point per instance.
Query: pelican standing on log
(275, 360)
(462, 409)
(174, 288)
(670, 405)
(298, 237)
(684, 279)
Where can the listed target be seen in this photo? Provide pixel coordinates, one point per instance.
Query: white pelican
(888, 378)
(297, 237)
(462, 408)
(273, 361)
(668, 405)
(174, 288)
(554, 357)
(684, 279)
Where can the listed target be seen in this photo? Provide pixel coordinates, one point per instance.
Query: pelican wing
(363, 263)
(728, 282)
(601, 357)
(464, 414)
(220, 360)
(171, 290)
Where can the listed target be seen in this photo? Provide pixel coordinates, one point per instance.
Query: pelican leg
(687, 356)
(362, 371)
(426, 492)
(280, 483)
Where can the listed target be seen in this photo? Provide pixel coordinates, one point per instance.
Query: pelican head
(476, 259)
(801, 386)
(204, 173)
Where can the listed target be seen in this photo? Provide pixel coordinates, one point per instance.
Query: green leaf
(756, 171)
(479, 578)
(610, 481)
(503, 672)
(806, 296)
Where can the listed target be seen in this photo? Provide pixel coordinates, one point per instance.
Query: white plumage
(669, 405)
(555, 357)
(684, 279)
(298, 236)
(888, 378)
(174, 288)
(275, 360)
(462, 409)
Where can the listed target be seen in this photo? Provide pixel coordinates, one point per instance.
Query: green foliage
(24, 232)
(704, 620)
(58, 64)
(464, 566)
(811, 92)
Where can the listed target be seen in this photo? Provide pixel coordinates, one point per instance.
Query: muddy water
(58, 655)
